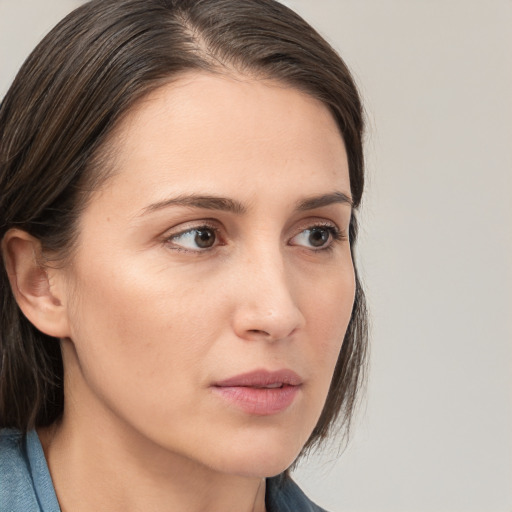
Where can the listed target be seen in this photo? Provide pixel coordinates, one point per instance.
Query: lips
(260, 392)
(263, 379)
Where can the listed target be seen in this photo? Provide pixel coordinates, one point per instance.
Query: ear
(39, 290)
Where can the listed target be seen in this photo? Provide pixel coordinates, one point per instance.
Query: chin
(263, 459)
(255, 467)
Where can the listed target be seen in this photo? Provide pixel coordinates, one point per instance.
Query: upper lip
(261, 379)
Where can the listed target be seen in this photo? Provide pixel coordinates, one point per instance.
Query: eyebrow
(233, 206)
(324, 200)
(199, 201)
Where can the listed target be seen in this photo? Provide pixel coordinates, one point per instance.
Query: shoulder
(284, 495)
(16, 487)
(13, 460)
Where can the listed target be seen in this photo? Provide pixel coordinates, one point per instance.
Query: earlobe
(34, 286)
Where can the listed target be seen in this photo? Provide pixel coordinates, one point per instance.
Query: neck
(96, 463)
(101, 473)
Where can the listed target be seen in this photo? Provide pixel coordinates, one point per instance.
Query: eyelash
(336, 236)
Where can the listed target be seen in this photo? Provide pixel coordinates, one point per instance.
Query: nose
(266, 305)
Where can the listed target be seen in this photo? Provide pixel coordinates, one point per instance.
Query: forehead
(221, 132)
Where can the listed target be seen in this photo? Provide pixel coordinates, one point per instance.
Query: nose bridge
(267, 304)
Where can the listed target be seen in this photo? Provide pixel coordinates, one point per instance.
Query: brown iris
(204, 238)
(318, 237)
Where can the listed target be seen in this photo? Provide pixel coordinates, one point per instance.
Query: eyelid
(183, 227)
(312, 222)
(315, 222)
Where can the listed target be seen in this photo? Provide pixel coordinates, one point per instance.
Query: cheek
(141, 347)
(330, 310)
(140, 318)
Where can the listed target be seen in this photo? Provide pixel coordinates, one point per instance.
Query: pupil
(318, 237)
(204, 238)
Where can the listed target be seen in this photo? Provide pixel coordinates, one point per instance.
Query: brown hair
(70, 94)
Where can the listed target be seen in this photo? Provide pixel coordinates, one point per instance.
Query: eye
(195, 239)
(317, 237)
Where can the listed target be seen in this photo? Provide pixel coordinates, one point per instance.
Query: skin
(149, 321)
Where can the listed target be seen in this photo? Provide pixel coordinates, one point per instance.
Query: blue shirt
(26, 484)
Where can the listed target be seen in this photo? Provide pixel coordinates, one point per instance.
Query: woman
(181, 314)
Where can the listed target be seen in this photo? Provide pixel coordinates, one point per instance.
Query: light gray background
(435, 430)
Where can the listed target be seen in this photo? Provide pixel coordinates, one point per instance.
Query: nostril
(267, 322)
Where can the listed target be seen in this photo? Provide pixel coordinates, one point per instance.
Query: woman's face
(213, 282)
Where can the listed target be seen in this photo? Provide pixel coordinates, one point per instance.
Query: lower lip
(259, 401)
